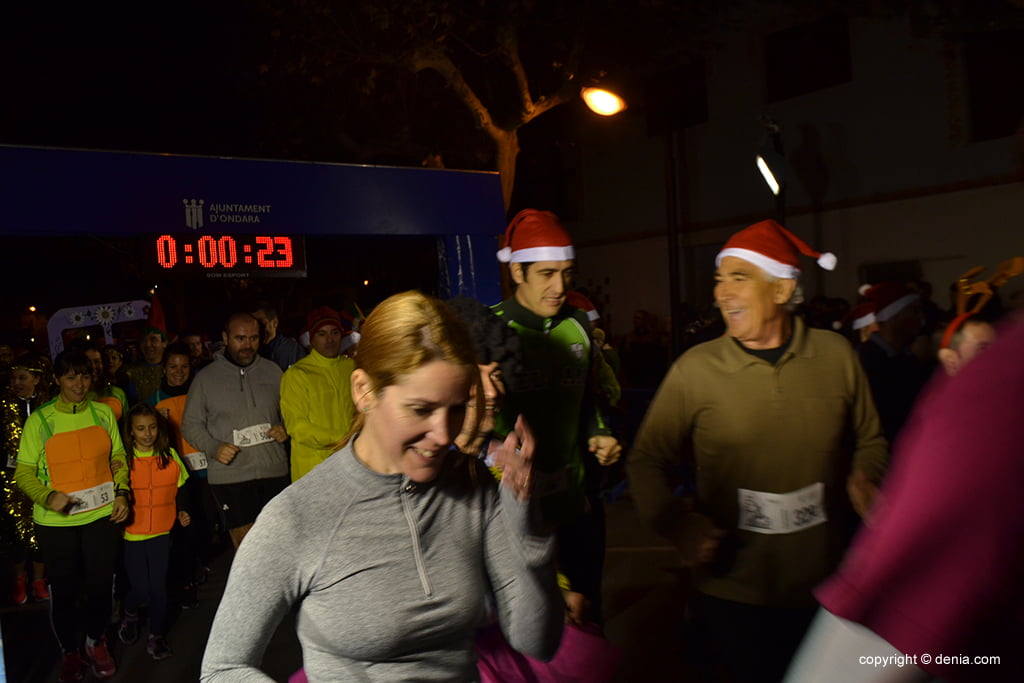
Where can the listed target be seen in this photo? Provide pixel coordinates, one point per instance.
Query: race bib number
(196, 461)
(93, 498)
(782, 513)
(253, 435)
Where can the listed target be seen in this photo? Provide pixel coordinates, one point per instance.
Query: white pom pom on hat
(534, 235)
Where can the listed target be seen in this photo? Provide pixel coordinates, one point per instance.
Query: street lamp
(602, 101)
(771, 163)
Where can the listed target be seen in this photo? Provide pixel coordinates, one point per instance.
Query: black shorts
(241, 503)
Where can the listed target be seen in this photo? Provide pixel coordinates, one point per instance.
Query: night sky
(169, 78)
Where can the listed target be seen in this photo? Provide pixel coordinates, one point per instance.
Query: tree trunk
(506, 144)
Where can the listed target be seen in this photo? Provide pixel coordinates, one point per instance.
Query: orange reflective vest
(79, 459)
(154, 510)
(115, 405)
(175, 406)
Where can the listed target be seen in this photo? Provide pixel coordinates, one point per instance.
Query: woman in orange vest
(188, 545)
(157, 474)
(71, 464)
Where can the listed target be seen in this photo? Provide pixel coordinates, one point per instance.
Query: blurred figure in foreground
(934, 582)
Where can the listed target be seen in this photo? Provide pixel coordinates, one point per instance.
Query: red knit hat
(889, 298)
(536, 236)
(773, 249)
(325, 315)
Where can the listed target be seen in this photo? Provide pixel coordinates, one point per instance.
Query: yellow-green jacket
(316, 403)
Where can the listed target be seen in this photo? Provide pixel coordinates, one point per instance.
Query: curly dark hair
(493, 339)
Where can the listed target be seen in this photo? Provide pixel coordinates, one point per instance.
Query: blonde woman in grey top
(390, 545)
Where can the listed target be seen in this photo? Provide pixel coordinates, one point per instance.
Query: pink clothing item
(940, 570)
(583, 655)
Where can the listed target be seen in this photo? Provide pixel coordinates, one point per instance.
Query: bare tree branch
(435, 59)
(508, 44)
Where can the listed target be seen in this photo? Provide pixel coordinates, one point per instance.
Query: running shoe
(20, 594)
(99, 654)
(72, 668)
(158, 648)
(40, 591)
(128, 631)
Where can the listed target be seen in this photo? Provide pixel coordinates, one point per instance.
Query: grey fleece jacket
(225, 397)
(390, 576)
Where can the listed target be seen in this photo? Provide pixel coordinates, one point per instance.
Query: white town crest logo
(193, 213)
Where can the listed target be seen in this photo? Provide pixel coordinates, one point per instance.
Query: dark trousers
(80, 563)
(189, 543)
(748, 643)
(146, 563)
(581, 554)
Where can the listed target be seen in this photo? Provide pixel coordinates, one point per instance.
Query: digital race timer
(231, 255)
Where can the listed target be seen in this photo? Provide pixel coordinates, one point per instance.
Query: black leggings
(146, 564)
(80, 563)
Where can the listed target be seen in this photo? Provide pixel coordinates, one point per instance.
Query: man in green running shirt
(557, 395)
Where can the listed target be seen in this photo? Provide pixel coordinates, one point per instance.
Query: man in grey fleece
(344, 535)
(233, 415)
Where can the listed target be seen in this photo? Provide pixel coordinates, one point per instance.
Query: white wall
(898, 129)
(947, 233)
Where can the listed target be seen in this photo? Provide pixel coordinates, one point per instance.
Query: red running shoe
(102, 663)
(39, 590)
(20, 594)
(72, 668)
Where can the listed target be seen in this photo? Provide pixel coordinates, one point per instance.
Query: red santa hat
(536, 236)
(773, 249)
(889, 298)
(574, 298)
(858, 317)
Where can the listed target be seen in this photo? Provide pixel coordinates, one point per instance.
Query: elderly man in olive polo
(780, 422)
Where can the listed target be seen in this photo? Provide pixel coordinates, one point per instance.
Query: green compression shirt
(556, 397)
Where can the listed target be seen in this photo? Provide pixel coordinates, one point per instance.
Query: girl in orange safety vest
(157, 474)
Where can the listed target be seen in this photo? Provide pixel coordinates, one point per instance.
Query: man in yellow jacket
(316, 396)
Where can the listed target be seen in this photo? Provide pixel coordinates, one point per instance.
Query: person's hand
(471, 437)
(515, 457)
(226, 452)
(577, 607)
(606, 449)
(183, 518)
(121, 510)
(862, 492)
(166, 412)
(58, 501)
(699, 540)
(278, 433)
(115, 466)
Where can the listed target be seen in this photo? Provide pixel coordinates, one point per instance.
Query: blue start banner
(77, 192)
